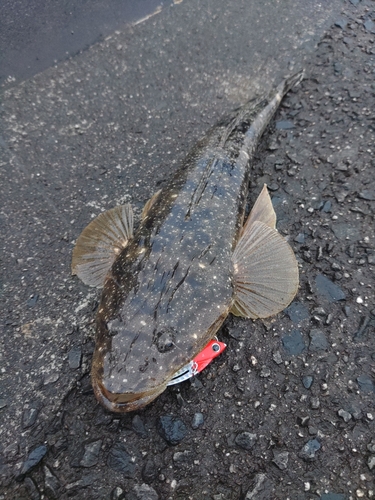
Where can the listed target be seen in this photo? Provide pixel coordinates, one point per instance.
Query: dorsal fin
(150, 203)
(265, 272)
(100, 242)
(262, 211)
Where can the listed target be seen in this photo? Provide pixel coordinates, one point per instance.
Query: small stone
(276, 356)
(303, 421)
(369, 25)
(198, 420)
(149, 471)
(245, 440)
(365, 383)
(280, 459)
(327, 207)
(332, 496)
(29, 417)
(341, 23)
(32, 300)
(33, 459)
(371, 462)
(345, 415)
(284, 125)
(315, 403)
(120, 460)
(300, 238)
(182, 457)
(318, 340)
(307, 381)
(31, 488)
(75, 357)
(51, 484)
(294, 343)
(172, 429)
(297, 312)
(145, 492)
(117, 493)
(309, 450)
(139, 427)
(265, 372)
(262, 488)
(91, 454)
(367, 195)
(327, 289)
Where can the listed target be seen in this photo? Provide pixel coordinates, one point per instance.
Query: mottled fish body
(169, 286)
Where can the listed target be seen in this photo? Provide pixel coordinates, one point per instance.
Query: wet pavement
(288, 410)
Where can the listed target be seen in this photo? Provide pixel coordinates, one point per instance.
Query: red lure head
(210, 352)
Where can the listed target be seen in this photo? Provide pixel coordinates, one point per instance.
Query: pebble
(332, 496)
(318, 340)
(172, 429)
(91, 454)
(345, 415)
(284, 125)
(120, 460)
(280, 459)
(341, 23)
(145, 492)
(75, 357)
(265, 372)
(371, 462)
(327, 289)
(369, 25)
(182, 457)
(309, 450)
(365, 383)
(367, 195)
(33, 459)
(294, 343)
(245, 440)
(307, 381)
(117, 493)
(31, 488)
(51, 484)
(300, 238)
(303, 421)
(315, 403)
(32, 300)
(149, 471)
(29, 417)
(198, 420)
(297, 312)
(139, 427)
(276, 356)
(262, 488)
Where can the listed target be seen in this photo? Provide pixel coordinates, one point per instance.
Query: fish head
(135, 360)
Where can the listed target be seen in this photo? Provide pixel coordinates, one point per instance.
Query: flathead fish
(169, 285)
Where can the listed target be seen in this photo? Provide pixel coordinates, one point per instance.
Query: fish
(169, 281)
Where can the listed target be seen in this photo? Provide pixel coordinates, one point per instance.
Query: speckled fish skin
(170, 289)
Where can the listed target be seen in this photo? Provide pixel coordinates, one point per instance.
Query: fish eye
(165, 340)
(216, 347)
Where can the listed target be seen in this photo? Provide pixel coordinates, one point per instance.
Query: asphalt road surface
(288, 408)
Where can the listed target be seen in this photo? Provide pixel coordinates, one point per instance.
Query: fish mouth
(125, 402)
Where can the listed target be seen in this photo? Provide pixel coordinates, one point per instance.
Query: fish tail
(263, 118)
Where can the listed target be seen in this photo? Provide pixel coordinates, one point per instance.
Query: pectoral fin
(100, 242)
(265, 272)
